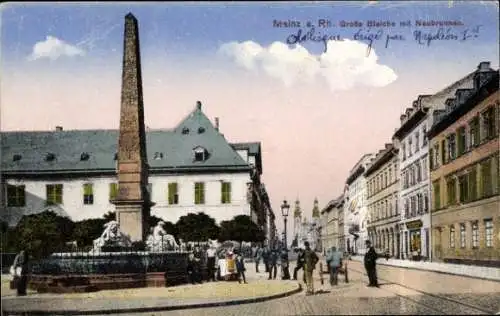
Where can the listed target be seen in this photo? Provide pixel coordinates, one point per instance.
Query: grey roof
(101, 145)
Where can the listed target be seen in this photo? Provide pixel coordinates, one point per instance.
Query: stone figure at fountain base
(112, 237)
(160, 241)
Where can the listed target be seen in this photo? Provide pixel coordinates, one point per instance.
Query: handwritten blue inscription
(370, 37)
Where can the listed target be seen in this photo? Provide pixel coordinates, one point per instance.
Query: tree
(241, 228)
(44, 233)
(109, 216)
(87, 230)
(197, 227)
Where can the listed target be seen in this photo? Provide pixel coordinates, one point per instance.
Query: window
(489, 122)
(424, 169)
(407, 208)
(443, 151)
(200, 154)
(473, 184)
(413, 206)
(436, 155)
(424, 135)
(486, 178)
(390, 175)
(199, 193)
(226, 192)
(462, 236)
(173, 194)
(451, 190)
(452, 147)
(461, 140)
(113, 191)
(403, 147)
(452, 236)
(16, 195)
(185, 131)
(474, 132)
(417, 141)
(437, 195)
(158, 156)
(50, 157)
(419, 172)
(88, 194)
(488, 230)
(431, 160)
(54, 194)
(385, 179)
(475, 235)
(463, 182)
(84, 156)
(426, 203)
(409, 147)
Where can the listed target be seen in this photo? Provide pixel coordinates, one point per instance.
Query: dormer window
(200, 154)
(84, 156)
(158, 156)
(50, 157)
(16, 157)
(185, 131)
(201, 130)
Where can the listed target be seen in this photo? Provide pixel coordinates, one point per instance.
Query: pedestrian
(310, 259)
(334, 261)
(272, 264)
(300, 265)
(370, 261)
(285, 273)
(265, 258)
(211, 252)
(258, 257)
(21, 270)
(240, 268)
(191, 269)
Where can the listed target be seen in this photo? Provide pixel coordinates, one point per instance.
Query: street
(402, 291)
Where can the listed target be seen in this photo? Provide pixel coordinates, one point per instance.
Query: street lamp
(285, 207)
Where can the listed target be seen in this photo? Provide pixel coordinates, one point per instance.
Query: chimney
(402, 118)
(198, 105)
(483, 66)
(59, 128)
(217, 124)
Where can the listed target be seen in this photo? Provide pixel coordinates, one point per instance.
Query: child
(240, 268)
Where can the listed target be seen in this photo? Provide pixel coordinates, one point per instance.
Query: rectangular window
(426, 203)
(452, 236)
(452, 147)
(403, 147)
(451, 190)
(461, 140)
(443, 152)
(409, 147)
(417, 141)
(173, 193)
(113, 191)
(462, 236)
(474, 132)
(463, 182)
(473, 184)
(431, 160)
(88, 194)
(437, 195)
(486, 178)
(424, 135)
(436, 155)
(199, 193)
(419, 172)
(390, 175)
(16, 195)
(488, 231)
(424, 168)
(489, 122)
(475, 235)
(226, 192)
(54, 194)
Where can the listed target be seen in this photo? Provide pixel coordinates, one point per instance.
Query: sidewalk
(153, 299)
(486, 273)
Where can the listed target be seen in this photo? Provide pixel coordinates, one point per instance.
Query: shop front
(414, 241)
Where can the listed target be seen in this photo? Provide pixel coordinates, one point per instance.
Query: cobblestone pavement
(400, 293)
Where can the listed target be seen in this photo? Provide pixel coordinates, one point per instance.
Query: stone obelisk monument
(133, 201)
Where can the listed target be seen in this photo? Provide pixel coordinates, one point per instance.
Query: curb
(435, 271)
(156, 308)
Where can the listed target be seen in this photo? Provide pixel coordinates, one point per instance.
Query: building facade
(382, 177)
(464, 162)
(192, 168)
(355, 211)
(330, 223)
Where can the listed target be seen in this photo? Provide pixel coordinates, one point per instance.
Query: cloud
(344, 66)
(53, 48)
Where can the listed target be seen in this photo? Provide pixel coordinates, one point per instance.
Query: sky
(316, 102)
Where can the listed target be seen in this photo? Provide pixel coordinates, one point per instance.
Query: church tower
(315, 212)
(297, 216)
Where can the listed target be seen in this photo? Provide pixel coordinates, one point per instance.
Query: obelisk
(133, 199)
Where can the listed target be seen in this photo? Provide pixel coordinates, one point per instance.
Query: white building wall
(74, 207)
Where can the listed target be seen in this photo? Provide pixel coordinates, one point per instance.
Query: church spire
(297, 212)
(315, 212)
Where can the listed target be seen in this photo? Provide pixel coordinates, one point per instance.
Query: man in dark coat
(370, 261)
(272, 264)
(265, 257)
(300, 264)
(22, 262)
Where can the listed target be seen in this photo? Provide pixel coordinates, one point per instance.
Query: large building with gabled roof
(192, 168)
